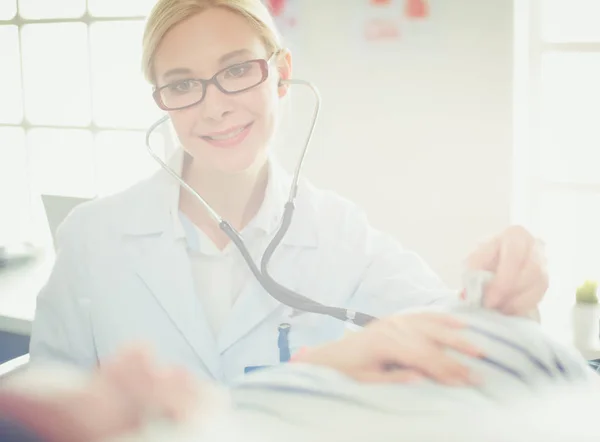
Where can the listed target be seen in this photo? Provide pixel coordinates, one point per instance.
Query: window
(563, 139)
(74, 105)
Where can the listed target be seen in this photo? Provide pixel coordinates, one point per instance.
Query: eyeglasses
(232, 80)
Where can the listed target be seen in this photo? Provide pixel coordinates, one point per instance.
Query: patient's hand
(131, 386)
(117, 399)
(413, 343)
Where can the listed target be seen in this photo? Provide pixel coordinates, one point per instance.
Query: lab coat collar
(159, 202)
(266, 219)
(145, 209)
(155, 248)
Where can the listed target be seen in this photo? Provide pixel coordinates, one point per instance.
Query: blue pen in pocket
(283, 344)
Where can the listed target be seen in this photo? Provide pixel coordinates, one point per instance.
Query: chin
(240, 159)
(239, 166)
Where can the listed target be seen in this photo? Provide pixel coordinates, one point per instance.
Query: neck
(235, 197)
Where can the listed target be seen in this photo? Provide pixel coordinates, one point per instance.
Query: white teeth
(227, 136)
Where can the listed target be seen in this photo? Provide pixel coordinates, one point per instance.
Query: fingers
(516, 249)
(414, 342)
(402, 376)
(441, 329)
(437, 365)
(507, 255)
(418, 351)
(503, 284)
(419, 341)
(527, 292)
(485, 257)
(147, 388)
(529, 287)
(525, 303)
(443, 319)
(173, 392)
(454, 341)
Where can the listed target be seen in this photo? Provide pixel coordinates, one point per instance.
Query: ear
(284, 68)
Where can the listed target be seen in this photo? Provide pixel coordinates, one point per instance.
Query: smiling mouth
(226, 136)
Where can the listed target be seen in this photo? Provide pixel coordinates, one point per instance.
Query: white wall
(419, 135)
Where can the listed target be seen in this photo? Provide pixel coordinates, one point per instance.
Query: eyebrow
(223, 59)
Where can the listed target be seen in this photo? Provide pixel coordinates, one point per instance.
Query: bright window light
(74, 104)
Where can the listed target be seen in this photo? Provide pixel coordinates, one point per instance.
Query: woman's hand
(399, 348)
(521, 279)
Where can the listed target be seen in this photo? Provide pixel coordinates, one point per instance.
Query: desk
(19, 288)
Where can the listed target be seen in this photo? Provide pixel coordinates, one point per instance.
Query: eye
(183, 86)
(239, 70)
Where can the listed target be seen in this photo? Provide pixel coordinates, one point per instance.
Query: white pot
(586, 325)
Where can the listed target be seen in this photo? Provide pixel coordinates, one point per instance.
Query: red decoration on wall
(416, 8)
(381, 30)
(276, 7)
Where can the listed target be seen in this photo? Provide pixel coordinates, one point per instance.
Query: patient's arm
(478, 343)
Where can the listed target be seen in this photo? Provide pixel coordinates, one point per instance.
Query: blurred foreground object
(120, 399)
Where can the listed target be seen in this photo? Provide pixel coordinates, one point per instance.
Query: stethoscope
(273, 288)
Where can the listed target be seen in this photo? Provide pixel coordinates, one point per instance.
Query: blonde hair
(168, 13)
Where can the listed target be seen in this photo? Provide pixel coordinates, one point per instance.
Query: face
(229, 133)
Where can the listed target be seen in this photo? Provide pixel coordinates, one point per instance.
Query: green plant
(587, 293)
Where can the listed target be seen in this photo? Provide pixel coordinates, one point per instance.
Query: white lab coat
(120, 278)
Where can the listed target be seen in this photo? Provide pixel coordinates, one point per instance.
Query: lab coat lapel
(162, 262)
(252, 307)
(164, 266)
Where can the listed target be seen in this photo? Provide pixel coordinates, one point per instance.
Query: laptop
(57, 208)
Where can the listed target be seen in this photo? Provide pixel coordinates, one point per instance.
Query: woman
(150, 265)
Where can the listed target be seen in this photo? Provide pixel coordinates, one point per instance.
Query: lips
(225, 135)
(228, 138)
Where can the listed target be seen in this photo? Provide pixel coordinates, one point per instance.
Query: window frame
(529, 185)
(31, 207)
(86, 19)
(530, 48)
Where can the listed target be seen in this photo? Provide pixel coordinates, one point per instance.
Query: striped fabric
(522, 366)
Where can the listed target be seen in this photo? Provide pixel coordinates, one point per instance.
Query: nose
(216, 104)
